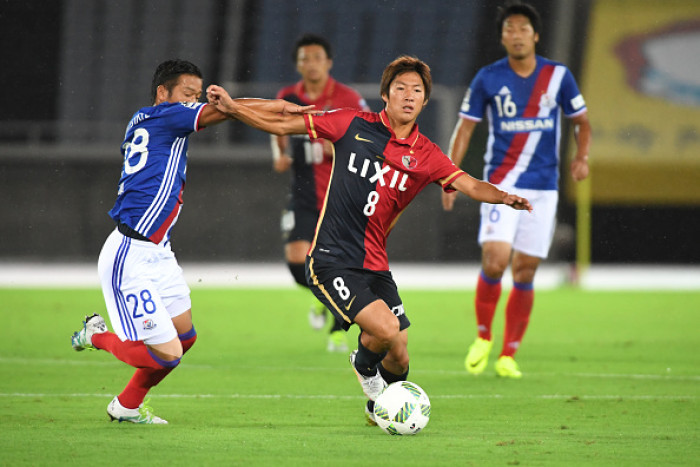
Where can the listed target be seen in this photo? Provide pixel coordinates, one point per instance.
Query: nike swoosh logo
(347, 307)
(359, 138)
(476, 363)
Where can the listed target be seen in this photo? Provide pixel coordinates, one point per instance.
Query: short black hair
(405, 64)
(518, 8)
(312, 39)
(169, 72)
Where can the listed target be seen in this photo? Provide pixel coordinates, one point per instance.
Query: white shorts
(143, 288)
(529, 233)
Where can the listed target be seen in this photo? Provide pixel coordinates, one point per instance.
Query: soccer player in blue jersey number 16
(381, 162)
(146, 295)
(522, 95)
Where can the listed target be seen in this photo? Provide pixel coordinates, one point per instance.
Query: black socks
(366, 361)
(390, 377)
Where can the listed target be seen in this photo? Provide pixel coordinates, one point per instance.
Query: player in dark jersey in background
(381, 163)
(145, 293)
(311, 162)
(522, 95)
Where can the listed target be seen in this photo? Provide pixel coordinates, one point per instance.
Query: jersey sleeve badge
(465, 102)
(577, 102)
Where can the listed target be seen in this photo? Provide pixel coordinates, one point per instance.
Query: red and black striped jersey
(374, 177)
(311, 165)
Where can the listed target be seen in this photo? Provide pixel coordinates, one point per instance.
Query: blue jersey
(524, 121)
(155, 163)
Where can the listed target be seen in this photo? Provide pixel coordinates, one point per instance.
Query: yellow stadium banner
(641, 82)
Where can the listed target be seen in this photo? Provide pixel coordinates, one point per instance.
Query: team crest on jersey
(149, 324)
(409, 162)
(547, 101)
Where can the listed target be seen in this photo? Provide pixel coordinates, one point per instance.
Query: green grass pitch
(610, 378)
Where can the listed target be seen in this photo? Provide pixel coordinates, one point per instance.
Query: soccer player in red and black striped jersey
(381, 163)
(311, 161)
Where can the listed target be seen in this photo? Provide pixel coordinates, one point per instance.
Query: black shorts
(298, 224)
(348, 291)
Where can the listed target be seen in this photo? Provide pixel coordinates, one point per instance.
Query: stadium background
(74, 71)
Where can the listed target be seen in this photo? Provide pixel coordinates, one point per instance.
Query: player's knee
(295, 251)
(298, 273)
(379, 325)
(169, 352)
(387, 333)
(494, 260)
(188, 339)
(494, 267)
(174, 357)
(524, 269)
(396, 363)
(163, 359)
(402, 366)
(524, 276)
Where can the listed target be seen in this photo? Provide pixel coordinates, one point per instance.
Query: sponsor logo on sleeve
(465, 102)
(578, 102)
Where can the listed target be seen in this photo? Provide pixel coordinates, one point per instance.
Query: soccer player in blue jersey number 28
(381, 163)
(522, 95)
(146, 295)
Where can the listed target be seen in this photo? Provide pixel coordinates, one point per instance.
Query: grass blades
(610, 378)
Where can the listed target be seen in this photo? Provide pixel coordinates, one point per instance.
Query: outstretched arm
(488, 193)
(273, 116)
(459, 143)
(211, 116)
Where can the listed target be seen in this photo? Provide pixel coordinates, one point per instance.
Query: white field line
(641, 397)
(407, 275)
(340, 369)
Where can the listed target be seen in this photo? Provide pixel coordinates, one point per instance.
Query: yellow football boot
(478, 356)
(507, 368)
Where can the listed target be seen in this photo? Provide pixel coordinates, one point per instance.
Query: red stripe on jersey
(199, 115)
(158, 235)
(519, 139)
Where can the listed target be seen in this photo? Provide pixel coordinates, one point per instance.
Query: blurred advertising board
(641, 82)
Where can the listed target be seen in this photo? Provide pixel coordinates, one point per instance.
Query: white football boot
(92, 325)
(142, 414)
(372, 386)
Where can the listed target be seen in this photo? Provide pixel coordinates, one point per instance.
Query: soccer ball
(402, 409)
